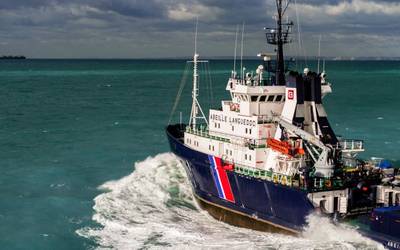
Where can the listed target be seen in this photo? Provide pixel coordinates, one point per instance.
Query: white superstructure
(239, 132)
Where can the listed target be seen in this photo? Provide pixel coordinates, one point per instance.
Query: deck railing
(351, 145)
(204, 132)
(314, 184)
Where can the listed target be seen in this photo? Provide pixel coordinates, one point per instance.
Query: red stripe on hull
(224, 181)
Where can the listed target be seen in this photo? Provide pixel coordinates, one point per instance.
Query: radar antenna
(279, 36)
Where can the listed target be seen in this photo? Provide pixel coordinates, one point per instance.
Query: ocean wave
(153, 208)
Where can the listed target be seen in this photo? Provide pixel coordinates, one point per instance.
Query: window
(219, 125)
(246, 130)
(263, 98)
(213, 148)
(254, 98)
(227, 152)
(249, 131)
(249, 157)
(278, 98)
(244, 98)
(245, 156)
(271, 98)
(209, 147)
(215, 125)
(233, 128)
(231, 152)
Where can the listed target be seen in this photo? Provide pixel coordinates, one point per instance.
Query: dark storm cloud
(9, 5)
(140, 9)
(108, 27)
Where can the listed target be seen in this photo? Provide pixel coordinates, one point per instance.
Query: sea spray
(153, 208)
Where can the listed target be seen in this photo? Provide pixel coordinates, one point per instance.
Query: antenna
(236, 41)
(319, 53)
(241, 54)
(194, 115)
(279, 36)
(195, 36)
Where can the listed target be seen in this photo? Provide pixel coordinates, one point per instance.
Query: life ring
(234, 106)
(328, 183)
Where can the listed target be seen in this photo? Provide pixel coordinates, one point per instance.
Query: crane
(323, 162)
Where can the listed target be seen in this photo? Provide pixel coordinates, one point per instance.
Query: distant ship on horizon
(12, 57)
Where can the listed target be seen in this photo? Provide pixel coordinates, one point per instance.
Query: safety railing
(203, 132)
(268, 175)
(351, 145)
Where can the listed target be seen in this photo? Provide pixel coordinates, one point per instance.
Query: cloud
(363, 7)
(145, 28)
(185, 12)
(351, 7)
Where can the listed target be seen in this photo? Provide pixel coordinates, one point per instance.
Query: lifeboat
(280, 146)
(284, 147)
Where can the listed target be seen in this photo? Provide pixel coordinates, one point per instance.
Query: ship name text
(236, 120)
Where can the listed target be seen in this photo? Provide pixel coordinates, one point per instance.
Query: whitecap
(153, 208)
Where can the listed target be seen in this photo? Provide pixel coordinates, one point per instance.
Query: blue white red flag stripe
(221, 179)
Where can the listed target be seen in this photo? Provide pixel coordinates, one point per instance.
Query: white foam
(153, 208)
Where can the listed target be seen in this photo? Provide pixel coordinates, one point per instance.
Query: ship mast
(197, 112)
(280, 36)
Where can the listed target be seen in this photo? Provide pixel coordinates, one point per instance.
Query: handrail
(204, 132)
(351, 144)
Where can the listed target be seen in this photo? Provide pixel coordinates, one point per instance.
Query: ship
(12, 57)
(268, 157)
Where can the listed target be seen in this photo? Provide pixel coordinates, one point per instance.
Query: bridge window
(278, 98)
(245, 156)
(271, 98)
(254, 98)
(263, 98)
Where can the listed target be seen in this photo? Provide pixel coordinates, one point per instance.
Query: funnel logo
(290, 94)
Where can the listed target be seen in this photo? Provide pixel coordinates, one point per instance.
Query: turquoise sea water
(69, 126)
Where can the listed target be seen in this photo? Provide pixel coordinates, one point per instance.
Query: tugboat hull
(255, 200)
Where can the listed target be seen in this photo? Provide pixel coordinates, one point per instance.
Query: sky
(164, 28)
